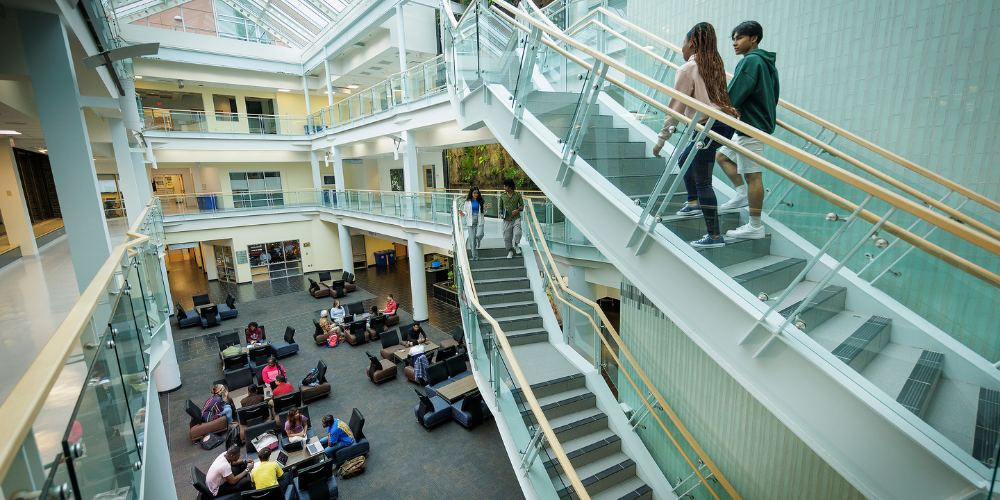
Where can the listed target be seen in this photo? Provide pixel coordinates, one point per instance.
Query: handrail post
(523, 85)
(581, 119)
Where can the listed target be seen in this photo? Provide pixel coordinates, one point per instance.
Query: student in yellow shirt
(267, 473)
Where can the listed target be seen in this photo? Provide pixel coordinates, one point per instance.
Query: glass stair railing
(833, 230)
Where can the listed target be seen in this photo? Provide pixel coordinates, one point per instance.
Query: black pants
(698, 178)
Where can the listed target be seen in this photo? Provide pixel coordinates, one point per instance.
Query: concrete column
(401, 38)
(338, 167)
(53, 78)
(418, 280)
(314, 163)
(305, 89)
(13, 205)
(126, 173)
(346, 252)
(329, 84)
(159, 480)
(166, 372)
(411, 171)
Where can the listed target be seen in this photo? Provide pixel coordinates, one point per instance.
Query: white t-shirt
(217, 473)
(337, 313)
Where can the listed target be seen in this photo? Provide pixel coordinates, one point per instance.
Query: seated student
(419, 361)
(324, 322)
(254, 396)
(254, 333)
(390, 306)
(296, 426)
(337, 312)
(216, 405)
(272, 370)
(370, 334)
(282, 386)
(338, 435)
(221, 478)
(415, 335)
(232, 349)
(269, 473)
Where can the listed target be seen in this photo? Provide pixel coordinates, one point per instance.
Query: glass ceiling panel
(336, 5)
(309, 12)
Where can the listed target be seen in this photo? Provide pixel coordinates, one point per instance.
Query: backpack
(332, 340)
(352, 467)
(312, 378)
(212, 440)
(233, 436)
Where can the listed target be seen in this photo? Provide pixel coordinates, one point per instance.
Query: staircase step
(502, 285)
(598, 475)
(578, 424)
(490, 253)
(737, 251)
(497, 262)
(920, 385)
(768, 274)
(527, 336)
(563, 117)
(520, 322)
(583, 450)
(987, 424)
(492, 273)
(592, 150)
(630, 489)
(564, 403)
(892, 367)
(512, 309)
(555, 386)
(623, 166)
(864, 343)
(823, 306)
(501, 297)
(634, 185)
(597, 134)
(693, 228)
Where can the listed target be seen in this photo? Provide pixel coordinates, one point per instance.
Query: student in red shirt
(390, 307)
(283, 386)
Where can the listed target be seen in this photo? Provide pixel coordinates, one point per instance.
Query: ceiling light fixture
(284, 90)
(353, 86)
(9, 132)
(137, 77)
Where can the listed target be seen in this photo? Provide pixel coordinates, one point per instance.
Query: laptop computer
(293, 446)
(314, 448)
(282, 458)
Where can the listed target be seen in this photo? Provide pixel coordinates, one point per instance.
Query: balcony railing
(181, 120)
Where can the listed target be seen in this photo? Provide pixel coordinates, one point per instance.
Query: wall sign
(241, 257)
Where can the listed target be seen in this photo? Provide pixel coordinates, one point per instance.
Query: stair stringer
(822, 405)
(632, 445)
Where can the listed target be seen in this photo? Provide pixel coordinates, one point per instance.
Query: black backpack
(233, 437)
(312, 377)
(212, 440)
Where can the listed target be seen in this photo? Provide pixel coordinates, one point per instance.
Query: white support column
(346, 252)
(158, 481)
(133, 123)
(13, 205)
(53, 79)
(411, 171)
(126, 173)
(418, 279)
(329, 84)
(401, 38)
(314, 163)
(305, 89)
(167, 372)
(338, 167)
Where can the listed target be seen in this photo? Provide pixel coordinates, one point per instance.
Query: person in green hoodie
(754, 92)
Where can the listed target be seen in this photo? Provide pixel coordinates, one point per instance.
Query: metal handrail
(25, 401)
(894, 199)
(933, 176)
(515, 367)
(556, 282)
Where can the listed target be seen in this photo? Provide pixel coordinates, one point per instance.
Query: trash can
(380, 258)
(207, 202)
(390, 256)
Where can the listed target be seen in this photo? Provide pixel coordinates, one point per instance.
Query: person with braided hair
(702, 77)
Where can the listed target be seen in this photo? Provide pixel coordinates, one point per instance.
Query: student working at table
(415, 335)
(268, 473)
(233, 349)
(254, 333)
(338, 435)
(222, 478)
(271, 371)
(254, 396)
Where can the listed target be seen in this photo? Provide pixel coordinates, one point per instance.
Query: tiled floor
(406, 461)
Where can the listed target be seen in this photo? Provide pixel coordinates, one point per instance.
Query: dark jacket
(753, 91)
(414, 336)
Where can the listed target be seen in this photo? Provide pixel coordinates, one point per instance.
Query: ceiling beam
(325, 9)
(266, 26)
(149, 11)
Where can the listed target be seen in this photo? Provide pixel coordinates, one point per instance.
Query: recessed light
(284, 90)
(353, 86)
(9, 132)
(137, 77)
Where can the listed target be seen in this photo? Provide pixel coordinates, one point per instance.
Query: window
(256, 189)
(277, 259)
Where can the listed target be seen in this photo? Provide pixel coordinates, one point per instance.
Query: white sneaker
(510, 254)
(746, 232)
(517, 250)
(738, 201)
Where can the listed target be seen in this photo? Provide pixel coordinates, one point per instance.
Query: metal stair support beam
(581, 120)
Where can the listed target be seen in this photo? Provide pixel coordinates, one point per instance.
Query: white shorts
(745, 165)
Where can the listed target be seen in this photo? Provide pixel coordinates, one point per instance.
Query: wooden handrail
(515, 367)
(535, 232)
(885, 153)
(23, 404)
(976, 238)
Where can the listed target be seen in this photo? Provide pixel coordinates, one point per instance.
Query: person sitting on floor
(222, 478)
(296, 426)
(233, 349)
(272, 370)
(254, 333)
(254, 396)
(337, 312)
(338, 435)
(282, 386)
(390, 306)
(216, 405)
(269, 473)
(420, 362)
(415, 335)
